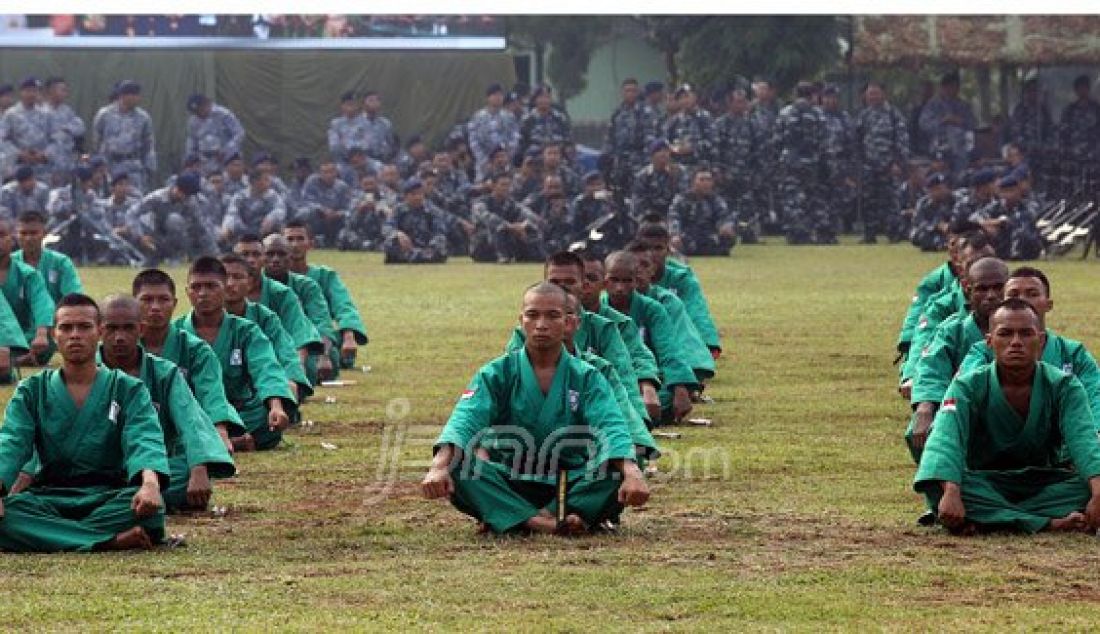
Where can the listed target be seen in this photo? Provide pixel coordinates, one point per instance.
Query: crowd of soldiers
(507, 185)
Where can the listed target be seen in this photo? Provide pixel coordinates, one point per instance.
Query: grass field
(793, 512)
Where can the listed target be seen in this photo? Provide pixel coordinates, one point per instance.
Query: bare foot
(542, 523)
(134, 539)
(1073, 523)
(483, 529)
(243, 443)
(572, 526)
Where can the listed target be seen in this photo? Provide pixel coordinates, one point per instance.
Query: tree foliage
(568, 43)
(715, 50)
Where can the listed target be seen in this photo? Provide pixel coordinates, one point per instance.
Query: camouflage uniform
(346, 134)
(76, 215)
(214, 138)
(968, 207)
(763, 117)
(695, 129)
(233, 187)
(65, 128)
(929, 215)
(654, 190)
(247, 213)
(125, 139)
(363, 227)
(316, 195)
(493, 242)
(738, 159)
(839, 145)
(176, 226)
(1031, 127)
(536, 129)
(381, 142)
(489, 130)
(629, 134)
(696, 219)
(882, 140)
(556, 221)
(15, 201)
(955, 141)
(1018, 238)
(426, 227)
(1079, 133)
(614, 225)
(29, 129)
(800, 139)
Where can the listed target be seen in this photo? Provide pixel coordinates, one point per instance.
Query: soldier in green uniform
(99, 446)
(548, 400)
(995, 457)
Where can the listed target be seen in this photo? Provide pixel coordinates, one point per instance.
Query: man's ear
(1050, 304)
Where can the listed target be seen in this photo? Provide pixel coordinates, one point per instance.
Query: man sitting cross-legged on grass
(696, 353)
(253, 378)
(657, 331)
(99, 446)
(241, 279)
(1032, 286)
(941, 358)
(195, 449)
(594, 333)
(538, 412)
(994, 459)
(678, 277)
(345, 315)
(155, 291)
(642, 358)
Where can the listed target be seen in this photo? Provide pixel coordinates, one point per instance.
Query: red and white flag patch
(467, 394)
(949, 405)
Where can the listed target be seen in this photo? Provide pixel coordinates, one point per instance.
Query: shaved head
(988, 266)
(545, 289)
(120, 303)
(623, 258)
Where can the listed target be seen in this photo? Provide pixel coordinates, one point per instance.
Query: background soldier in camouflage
(258, 210)
(690, 132)
(840, 192)
(416, 233)
(555, 214)
(1079, 128)
(544, 124)
(506, 231)
(27, 128)
(124, 135)
(363, 228)
(381, 141)
(699, 220)
(800, 139)
(765, 111)
(948, 122)
(66, 130)
(971, 204)
(656, 184)
(23, 193)
(213, 132)
(739, 145)
(882, 140)
(1030, 126)
(171, 221)
(933, 214)
(326, 202)
(490, 128)
(630, 132)
(348, 131)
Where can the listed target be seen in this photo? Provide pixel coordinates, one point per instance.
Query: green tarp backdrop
(284, 99)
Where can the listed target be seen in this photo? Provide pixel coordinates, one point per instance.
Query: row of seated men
(1005, 411)
(147, 407)
(1006, 207)
(554, 435)
(509, 217)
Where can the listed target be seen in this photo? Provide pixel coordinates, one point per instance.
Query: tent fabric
(284, 99)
